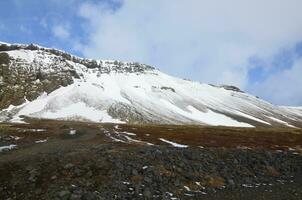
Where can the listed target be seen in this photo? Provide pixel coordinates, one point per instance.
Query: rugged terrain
(47, 159)
(39, 82)
(74, 128)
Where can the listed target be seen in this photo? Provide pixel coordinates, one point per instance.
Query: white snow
(282, 122)
(32, 130)
(173, 143)
(132, 140)
(4, 43)
(38, 130)
(187, 188)
(10, 108)
(137, 141)
(213, 118)
(15, 137)
(247, 185)
(9, 147)
(251, 117)
(71, 102)
(28, 56)
(117, 127)
(128, 133)
(41, 141)
(80, 110)
(115, 139)
(170, 194)
(208, 117)
(72, 132)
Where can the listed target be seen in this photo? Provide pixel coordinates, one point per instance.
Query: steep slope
(46, 83)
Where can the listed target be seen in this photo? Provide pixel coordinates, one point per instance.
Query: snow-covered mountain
(40, 82)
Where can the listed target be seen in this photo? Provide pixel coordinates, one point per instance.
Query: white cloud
(61, 31)
(284, 87)
(208, 40)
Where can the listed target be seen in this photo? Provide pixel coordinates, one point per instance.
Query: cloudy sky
(255, 45)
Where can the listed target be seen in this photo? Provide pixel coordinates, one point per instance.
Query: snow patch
(216, 119)
(208, 117)
(9, 147)
(72, 132)
(5, 43)
(14, 137)
(173, 143)
(187, 188)
(251, 117)
(128, 133)
(32, 130)
(282, 122)
(41, 141)
(137, 141)
(71, 102)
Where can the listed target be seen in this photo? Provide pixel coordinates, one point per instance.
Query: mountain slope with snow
(62, 86)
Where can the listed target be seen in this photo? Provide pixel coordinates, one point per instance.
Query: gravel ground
(60, 160)
(121, 172)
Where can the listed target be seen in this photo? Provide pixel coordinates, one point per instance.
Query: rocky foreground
(65, 160)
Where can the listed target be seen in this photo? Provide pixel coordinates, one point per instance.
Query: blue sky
(33, 22)
(256, 45)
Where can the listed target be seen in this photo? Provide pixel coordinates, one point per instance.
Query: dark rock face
(231, 87)
(129, 114)
(21, 80)
(4, 62)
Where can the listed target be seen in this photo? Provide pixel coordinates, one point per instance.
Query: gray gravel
(117, 172)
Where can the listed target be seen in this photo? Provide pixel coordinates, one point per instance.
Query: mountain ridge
(41, 82)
